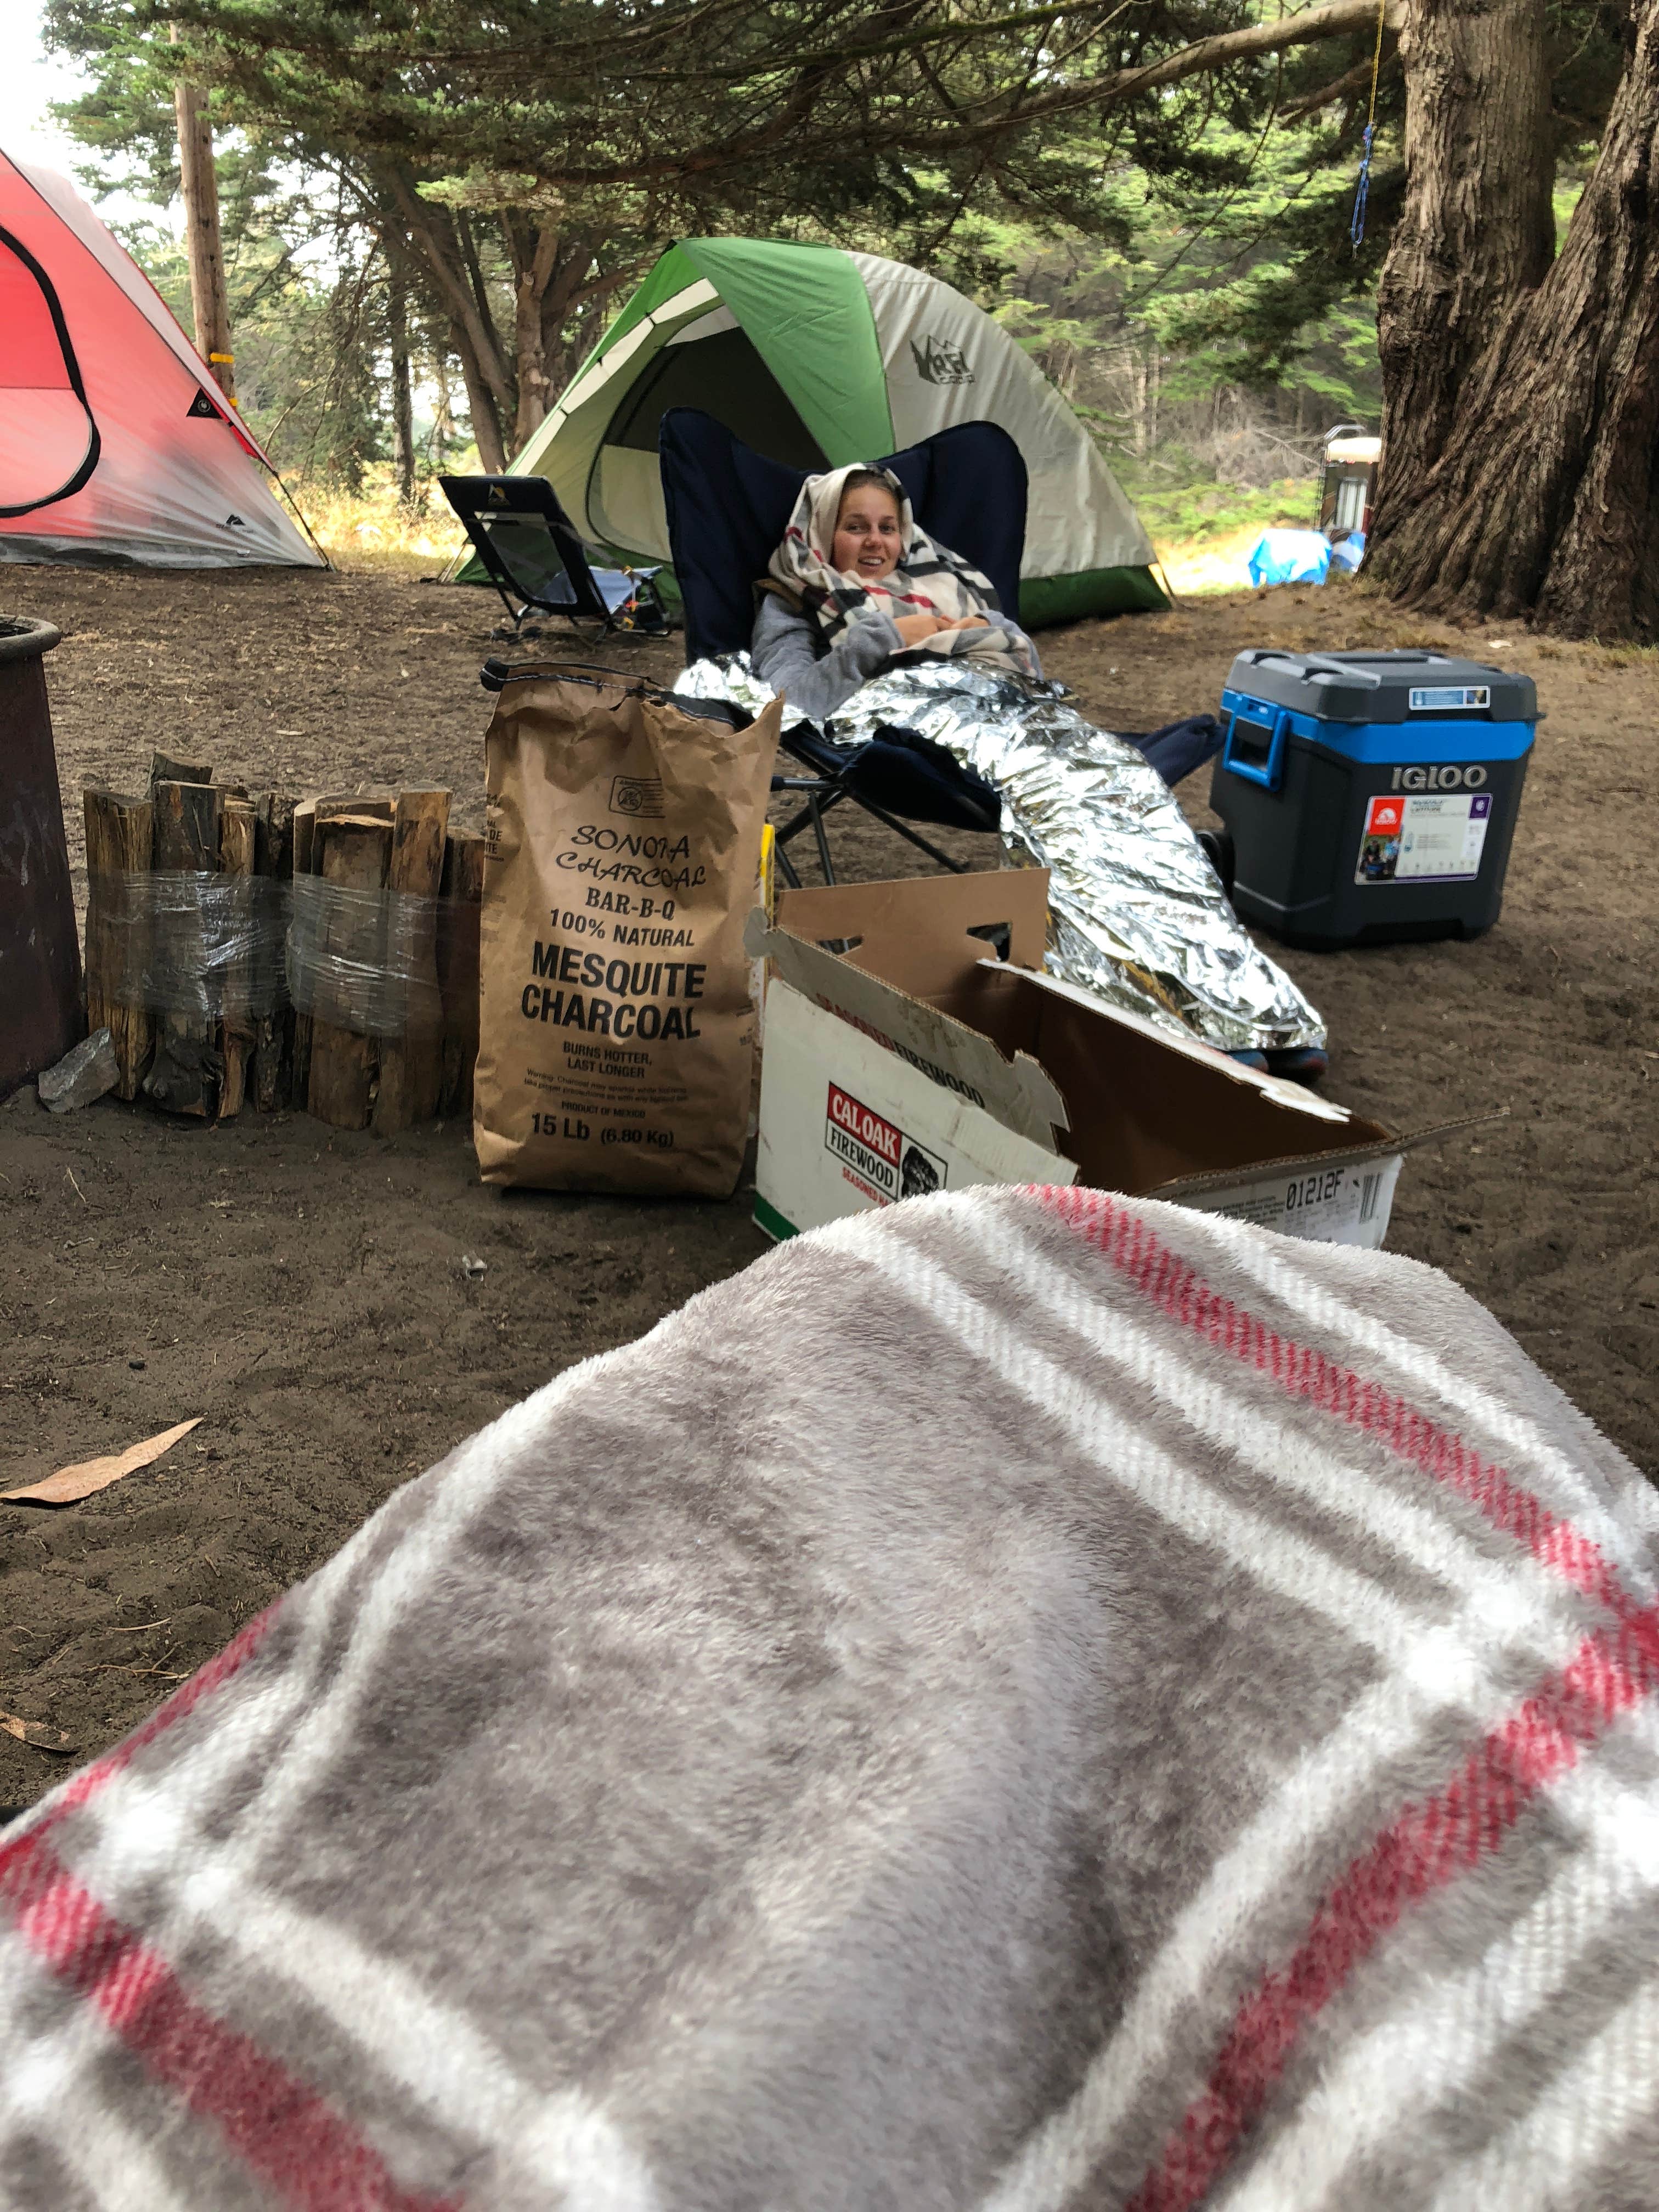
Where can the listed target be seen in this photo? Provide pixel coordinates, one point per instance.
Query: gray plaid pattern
(1017, 1702)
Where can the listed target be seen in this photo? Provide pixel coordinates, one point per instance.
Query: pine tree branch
(1342, 87)
(1333, 19)
(961, 29)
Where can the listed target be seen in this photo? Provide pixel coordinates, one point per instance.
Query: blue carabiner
(1362, 192)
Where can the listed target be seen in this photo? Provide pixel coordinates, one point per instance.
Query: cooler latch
(1255, 751)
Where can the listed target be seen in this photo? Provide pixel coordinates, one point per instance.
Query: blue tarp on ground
(1302, 556)
(1289, 556)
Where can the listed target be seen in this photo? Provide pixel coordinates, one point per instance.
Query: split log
(165, 770)
(457, 970)
(273, 1032)
(184, 1076)
(118, 838)
(379, 807)
(354, 853)
(236, 844)
(411, 1064)
(305, 839)
(304, 832)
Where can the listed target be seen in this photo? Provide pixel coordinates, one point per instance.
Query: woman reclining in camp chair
(856, 593)
(856, 588)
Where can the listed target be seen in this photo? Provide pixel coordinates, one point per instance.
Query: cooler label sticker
(875, 1153)
(1423, 839)
(1449, 698)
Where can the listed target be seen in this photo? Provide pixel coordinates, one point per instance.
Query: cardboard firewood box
(913, 1044)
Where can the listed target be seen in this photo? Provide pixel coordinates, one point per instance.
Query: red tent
(115, 442)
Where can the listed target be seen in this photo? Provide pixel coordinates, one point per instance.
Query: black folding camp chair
(531, 554)
(727, 509)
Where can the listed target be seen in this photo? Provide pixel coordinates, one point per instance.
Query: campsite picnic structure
(818, 357)
(115, 444)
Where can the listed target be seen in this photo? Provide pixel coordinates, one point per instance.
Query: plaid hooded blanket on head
(1148, 1714)
(929, 580)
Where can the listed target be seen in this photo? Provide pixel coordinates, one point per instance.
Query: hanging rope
(1362, 191)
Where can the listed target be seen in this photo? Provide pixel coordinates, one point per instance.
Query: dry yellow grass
(369, 532)
(1207, 564)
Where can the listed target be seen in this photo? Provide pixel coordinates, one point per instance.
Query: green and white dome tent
(817, 357)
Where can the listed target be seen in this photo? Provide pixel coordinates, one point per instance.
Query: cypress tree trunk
(534, 252)
(443, 420)
(402, 397)
(1547, 497)
(198, 179)
(446, 244)
(1477, 229)
(481, 406)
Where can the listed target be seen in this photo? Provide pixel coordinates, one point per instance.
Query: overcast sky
(29, 79)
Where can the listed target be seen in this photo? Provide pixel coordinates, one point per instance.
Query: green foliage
(544, 152)
(1216, 315)
(1195, 514)
(1210, 332)
(661, 115)
(1586, 52)
(1176, 255)
(307, 347)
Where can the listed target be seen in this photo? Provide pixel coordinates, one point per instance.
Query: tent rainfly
(116, 444)
(817, 356)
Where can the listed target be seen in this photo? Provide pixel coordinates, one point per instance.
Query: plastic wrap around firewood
(365, 960)
(179, 942)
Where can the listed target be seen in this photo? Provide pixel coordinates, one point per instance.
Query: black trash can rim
(21, 638)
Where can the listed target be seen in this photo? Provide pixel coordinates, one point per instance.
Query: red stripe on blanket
(1174, 1284)
(280, 2128)
(295, 2141)
(184, 1699)
(89, 1780)
(1426, 1847)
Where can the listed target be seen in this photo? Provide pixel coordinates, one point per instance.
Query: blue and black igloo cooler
(1370, 796)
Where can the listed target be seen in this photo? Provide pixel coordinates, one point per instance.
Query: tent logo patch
(939, 362)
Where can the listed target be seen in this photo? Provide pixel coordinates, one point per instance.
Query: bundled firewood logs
(249, 950)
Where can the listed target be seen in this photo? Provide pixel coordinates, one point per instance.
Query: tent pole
(208, 296)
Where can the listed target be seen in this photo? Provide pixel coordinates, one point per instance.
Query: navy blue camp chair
(727, 509)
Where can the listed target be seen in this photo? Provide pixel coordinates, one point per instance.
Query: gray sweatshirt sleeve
(783, 653)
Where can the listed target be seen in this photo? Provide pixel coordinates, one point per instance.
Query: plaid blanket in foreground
(1021, 1701)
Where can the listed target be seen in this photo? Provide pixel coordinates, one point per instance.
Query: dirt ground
(303, 1292)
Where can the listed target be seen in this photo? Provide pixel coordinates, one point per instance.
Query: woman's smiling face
(867, 541)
